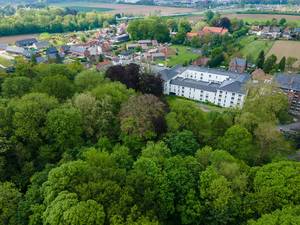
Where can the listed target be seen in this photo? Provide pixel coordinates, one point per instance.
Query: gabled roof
(186, 82)
(26, 42)
(16, 50)
(77, 49)
(215, 30)
(42, 44)
(239, 61)
(290, 82)
(3, 46)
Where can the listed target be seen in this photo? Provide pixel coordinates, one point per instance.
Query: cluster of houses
(93, 50)
(275, 32)
(146, 51)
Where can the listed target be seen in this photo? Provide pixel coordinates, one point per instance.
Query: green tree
(270, 64)
(238, 142)
(142, 118)
(9, 199)
(88, 80)
(186, 115)
(67, 209)
(64, 127)
(182, 143)
(276, 185)
(16, 86)
(97, 116)
(260, 61)
(281, 65)
(288, 215)
(209, 15)
(58, 86)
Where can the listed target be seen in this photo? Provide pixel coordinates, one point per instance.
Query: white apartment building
(223, 88)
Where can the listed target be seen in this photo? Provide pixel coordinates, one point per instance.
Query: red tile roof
(214, 30)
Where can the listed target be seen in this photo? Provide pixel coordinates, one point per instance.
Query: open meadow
(287, 49)
(253, 46)
(251, 18)
(138, 10)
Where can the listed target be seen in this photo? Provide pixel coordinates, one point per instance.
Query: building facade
(290, 84)
(223, 88)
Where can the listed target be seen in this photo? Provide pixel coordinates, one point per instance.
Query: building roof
(297, 30)
(192, 34)
(41, 59)
(15, 50)
(51, 50)
(168, 74)
(3, 46)
(77, 49)
(186, 82)
(234, 83)
(290, 82)
(214, 30)
(42, 44)
(26, 42)
(145, 42)
(230, 74)
(239, 61)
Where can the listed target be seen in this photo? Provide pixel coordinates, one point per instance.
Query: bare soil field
(14, 38)
(287, 49)
(262, 16)
(143, 10)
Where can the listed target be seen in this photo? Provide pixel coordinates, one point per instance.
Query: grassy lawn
(205, 107)
(253, 47)
(184, 55)
(5, 62)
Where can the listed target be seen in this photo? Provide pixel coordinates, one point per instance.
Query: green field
(89, 9)
(251, 47)
(184, 56)
(82, 7)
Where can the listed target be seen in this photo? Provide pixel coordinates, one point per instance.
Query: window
(232, 98)
(233, 94)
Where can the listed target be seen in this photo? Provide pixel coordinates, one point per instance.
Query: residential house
(148, 42)
(79, 51)
(201, 61)
(191, 35)
(290, 84)
(207, 30)
(121, 38)
(158, 56)
(41, 45)
(132, 46)
(103, 65)
(271, 32)
(287, 34)
(238, 65)
(51, 50)
(25, 42)
(3, 46)
(40, 59)
(214, 30)
(18, 51)
(223, 88)
(259, 75)
(296, 33)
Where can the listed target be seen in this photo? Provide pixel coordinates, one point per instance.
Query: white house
(223, 88)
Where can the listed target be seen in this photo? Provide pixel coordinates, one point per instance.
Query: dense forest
(52, 20)
(81, 147)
